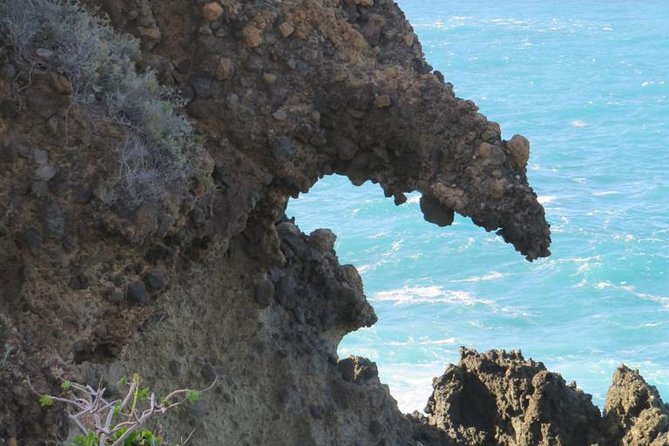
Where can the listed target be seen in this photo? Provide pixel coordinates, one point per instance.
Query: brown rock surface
(634, 414)
(500, 398)
(209, 279)
(212, 11)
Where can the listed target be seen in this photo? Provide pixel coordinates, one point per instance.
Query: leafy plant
(120, 422)
(46, 401)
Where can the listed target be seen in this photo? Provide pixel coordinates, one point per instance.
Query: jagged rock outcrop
(634, 414)
(203, 277)
(499, 398)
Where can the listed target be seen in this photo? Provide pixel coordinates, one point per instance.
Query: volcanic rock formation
(133, 240)
(499, 398)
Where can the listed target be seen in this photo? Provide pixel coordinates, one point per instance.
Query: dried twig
(91, 413)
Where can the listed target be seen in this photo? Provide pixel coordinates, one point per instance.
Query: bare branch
(94, 414)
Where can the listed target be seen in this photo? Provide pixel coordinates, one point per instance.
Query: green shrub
(121, 422)
(61, 36)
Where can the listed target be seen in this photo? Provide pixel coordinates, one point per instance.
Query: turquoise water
(587, 83)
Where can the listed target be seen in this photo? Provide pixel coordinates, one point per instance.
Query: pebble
(286, 29)
(151, 36)
(225, 68)
(23, 151)
(269, 78)
(137, 292)
(40, 156)
(205, 30)
(212, 11)
(280, 115)
(252, 36)
(45, 172)
(382, 101)
(156, 279)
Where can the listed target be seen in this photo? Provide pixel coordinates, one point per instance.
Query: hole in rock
(433, 289)
(417, 277)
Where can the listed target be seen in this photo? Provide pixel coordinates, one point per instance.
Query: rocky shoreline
(500, 398)
(143, 231)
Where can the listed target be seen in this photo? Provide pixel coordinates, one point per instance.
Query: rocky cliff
(147, 153)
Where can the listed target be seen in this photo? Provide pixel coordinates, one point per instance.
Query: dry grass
(61, 36)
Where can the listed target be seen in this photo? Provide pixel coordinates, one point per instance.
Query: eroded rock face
(306, 90)
(499, 398)
(216, 283)
(634, 414)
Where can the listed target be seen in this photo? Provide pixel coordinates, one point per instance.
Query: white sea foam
(410, 384)
(448, 341)
(386, 257)
(578, 123)
(414, 199)
(582, 259)
(364, 268)
(606, 193)
(510, 22)
(651, 83)
(561, 227)
(411, 342)
(546, 199)
(625, 237)
(437, 295)
(492, 275)
(428, 294)
(631, 289)
(380, 234)
(662, 300)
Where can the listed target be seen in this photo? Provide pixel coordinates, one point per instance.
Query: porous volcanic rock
(281, 94)
(634, 414)
(499, 398)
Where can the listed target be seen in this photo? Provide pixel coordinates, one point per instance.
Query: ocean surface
(588, 83)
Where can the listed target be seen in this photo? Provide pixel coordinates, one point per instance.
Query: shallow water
(586, 82)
